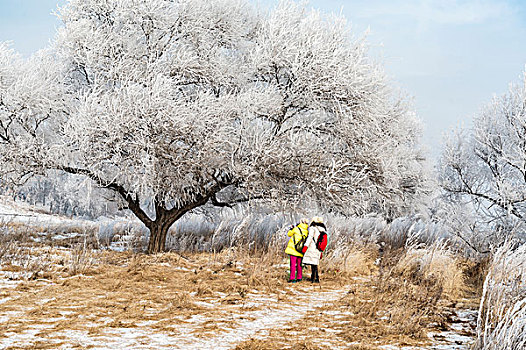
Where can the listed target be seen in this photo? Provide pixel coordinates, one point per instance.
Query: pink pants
(295, 267)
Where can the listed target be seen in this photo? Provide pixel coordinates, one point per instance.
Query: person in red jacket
(314, 246)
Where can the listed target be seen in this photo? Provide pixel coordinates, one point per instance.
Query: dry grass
(393, 308)
(129, 288)
(352, 259)
(100, 291)
(406, 298)
(434, 266)
(257, 344)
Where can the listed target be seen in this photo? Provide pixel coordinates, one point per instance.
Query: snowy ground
(89, 312)
(40, 226)
(119, 300)
(20, 212)
(218, 320)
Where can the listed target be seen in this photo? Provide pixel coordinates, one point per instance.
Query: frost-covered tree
(487, 167)
(177, 104)
(32, 110)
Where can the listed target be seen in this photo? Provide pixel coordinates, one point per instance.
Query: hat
(317, 219)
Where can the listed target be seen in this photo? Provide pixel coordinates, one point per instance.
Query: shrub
(502, 313)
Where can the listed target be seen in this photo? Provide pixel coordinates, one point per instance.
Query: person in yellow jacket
(296, 233)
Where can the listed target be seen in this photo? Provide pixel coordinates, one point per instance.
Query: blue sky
(451, 56)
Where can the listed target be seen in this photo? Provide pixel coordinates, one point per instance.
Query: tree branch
(133, 203)
(230, 204)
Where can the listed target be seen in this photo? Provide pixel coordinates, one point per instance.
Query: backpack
(321, 242)
(300, 244)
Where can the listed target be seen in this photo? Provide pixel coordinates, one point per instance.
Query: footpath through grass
(218, 301)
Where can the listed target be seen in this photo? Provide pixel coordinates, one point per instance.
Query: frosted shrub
(510, 331)
(502, 314)
(244, 228)
(412, 230)
(257, 229)
(8, 248)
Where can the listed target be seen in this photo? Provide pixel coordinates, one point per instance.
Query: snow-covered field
(40, 226)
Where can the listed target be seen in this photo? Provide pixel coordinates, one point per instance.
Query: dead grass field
(230, 300)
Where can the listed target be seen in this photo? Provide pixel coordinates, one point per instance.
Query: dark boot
(314, 276)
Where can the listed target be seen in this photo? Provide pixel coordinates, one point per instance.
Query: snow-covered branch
(488, 166)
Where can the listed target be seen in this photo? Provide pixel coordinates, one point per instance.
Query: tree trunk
(158, 233)
(164, 218)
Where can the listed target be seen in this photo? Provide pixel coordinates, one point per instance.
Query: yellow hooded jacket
(295, 235)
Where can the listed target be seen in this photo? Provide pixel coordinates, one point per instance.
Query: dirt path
(328, 327)
(460, 333)
(267, 315)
